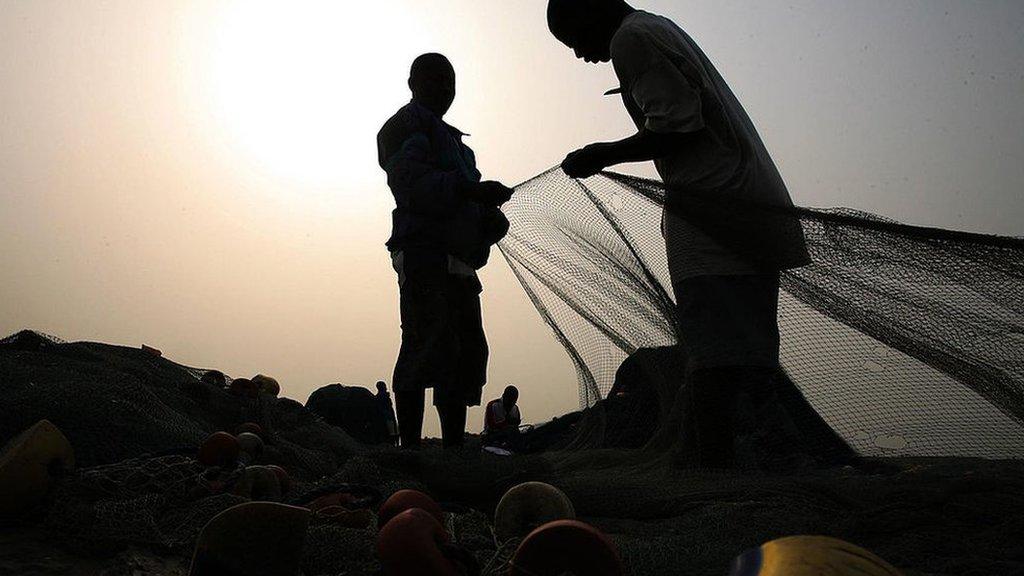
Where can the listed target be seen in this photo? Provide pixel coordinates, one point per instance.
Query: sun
(301, 87)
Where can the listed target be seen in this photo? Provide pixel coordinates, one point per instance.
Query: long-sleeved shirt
(427, 165)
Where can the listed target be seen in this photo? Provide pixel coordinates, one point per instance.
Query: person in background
(502, 419)
(387, 411)
(443, 226)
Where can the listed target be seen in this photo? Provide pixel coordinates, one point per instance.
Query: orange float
(566, 546)
(809, 556)
(410, 544)
(404, 500)
(219, 449)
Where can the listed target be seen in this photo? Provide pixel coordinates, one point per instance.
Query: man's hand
(489, 193)
(586, 161)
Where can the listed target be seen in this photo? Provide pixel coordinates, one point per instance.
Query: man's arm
(643, 146)
(419, 185)
(668, 98)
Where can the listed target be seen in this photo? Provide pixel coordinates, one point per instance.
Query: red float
(566, 546)
(410, 545)
(406, 499)
(219, 449)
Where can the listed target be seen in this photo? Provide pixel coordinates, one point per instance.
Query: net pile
(908, 341)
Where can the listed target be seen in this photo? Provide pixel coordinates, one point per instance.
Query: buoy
(410, 544)
(404, 500)
(250, 427)
(29, 465)
(244, 387)
(566, 546)
(219, 449)
(258, 483)
(266, 384)
(283, 478)
(251, 445)
(809, 556)
(252, 539)
(527, 506)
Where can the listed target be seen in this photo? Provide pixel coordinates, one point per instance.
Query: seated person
(502, 419)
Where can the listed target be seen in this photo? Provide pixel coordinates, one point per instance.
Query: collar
(424, 110)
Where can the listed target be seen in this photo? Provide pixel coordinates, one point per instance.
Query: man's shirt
(426, 163)
(496, 418)
(669, 85)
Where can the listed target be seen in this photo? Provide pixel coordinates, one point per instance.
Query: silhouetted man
(502, 419)
(703, 146)
(444, 223)
(387, 412)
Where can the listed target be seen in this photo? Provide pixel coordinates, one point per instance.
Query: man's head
(432, 81)
(382, 386)
(510, 396)
(587, 26)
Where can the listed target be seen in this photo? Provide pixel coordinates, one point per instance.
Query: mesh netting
(906, 340)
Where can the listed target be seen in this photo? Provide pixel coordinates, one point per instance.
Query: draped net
(907, 341)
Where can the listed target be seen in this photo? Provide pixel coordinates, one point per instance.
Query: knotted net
(907, 341)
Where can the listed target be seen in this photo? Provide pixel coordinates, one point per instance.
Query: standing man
(444, 224)
(387, 412)
(712, 160)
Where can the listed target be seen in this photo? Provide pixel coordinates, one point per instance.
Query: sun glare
(302, 86)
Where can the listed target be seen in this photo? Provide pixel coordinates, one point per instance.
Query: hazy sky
(202, 177)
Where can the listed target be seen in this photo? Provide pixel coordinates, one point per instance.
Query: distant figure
(502, 419)
(703, 145)
(387, 410)
(444, 223)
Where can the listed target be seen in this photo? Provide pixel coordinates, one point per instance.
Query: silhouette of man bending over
(444, 223)
(703, 145)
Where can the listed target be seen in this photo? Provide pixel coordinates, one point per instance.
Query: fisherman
(387, 411)
(444, 223)
(710, 157)
(502, 419)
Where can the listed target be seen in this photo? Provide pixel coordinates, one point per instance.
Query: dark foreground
(138, 499)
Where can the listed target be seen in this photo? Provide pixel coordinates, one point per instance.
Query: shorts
(443, 342)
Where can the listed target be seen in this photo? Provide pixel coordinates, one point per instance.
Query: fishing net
(905, 340)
